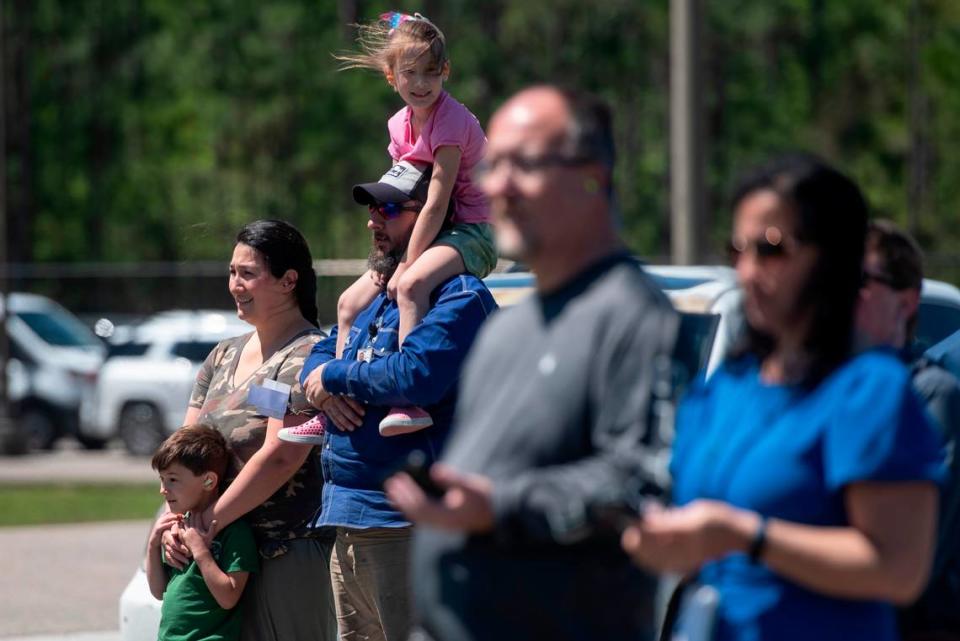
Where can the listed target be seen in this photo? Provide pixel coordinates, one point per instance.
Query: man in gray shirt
(555, 430)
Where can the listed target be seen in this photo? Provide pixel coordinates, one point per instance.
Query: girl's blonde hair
(392, 37)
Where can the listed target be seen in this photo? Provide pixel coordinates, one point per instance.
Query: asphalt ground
(63, 582)
(68, 463)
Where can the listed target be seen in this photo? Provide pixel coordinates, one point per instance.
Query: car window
(127, 349)
(669, 283)
(59, 329)
(935, 322)
(694, 341)
(194, 351)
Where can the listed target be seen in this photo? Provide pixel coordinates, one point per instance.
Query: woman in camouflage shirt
(275, 486)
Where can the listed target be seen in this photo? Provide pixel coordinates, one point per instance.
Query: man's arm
(321, 352)
(554, 504)
(428, 365)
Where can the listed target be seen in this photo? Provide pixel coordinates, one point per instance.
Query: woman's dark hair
(283, 247)
(831, 215)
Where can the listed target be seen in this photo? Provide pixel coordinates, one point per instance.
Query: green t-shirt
(189, 611)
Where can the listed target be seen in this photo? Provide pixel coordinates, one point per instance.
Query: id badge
(270, 399)
(365, 354)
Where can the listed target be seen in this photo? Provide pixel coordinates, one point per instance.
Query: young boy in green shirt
(199, 601)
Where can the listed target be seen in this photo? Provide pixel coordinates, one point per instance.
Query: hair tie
(394, 19)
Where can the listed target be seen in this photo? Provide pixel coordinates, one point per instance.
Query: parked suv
(145, 384)
(54, 360)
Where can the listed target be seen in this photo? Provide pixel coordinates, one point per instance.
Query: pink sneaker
(403, 420)
(310, 432)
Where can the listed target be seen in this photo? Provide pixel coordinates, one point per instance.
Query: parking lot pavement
(106, 635)
(60, 582)
(61, 579)
(67, 463)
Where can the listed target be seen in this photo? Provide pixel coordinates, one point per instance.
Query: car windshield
(194, 351)
(59, 329)
(935, 322)
(127, 349)
(695, 338)
(669, 283)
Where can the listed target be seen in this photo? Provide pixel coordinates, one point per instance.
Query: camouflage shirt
(222, 401)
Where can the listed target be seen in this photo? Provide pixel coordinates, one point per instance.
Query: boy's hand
(175, 553)
(163, 523)
(195, 535)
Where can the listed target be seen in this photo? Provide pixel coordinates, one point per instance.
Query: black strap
(673, 607)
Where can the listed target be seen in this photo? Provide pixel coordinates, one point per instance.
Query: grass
(38, 504)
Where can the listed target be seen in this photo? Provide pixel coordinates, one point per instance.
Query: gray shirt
(556, 408)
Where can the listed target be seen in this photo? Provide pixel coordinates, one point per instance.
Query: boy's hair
(393, 36)
(199, 448)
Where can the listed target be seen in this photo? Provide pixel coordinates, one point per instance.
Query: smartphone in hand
(418, 468)
(615, 517)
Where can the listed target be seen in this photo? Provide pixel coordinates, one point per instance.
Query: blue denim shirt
(426, 373)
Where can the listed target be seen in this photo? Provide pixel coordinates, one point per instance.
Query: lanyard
(365, 353)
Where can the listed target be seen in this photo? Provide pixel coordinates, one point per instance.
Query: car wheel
(39, 427)
(91, 442)
(141, 428)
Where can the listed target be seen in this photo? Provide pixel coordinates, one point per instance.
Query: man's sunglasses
(883, 279)
(392, 210)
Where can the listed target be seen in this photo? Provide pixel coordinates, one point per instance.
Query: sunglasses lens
(762, 247)
(387, 210)
(767, 249)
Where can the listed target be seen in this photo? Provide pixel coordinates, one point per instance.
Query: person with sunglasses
(805, 473)
(369, 563)
(887, 316)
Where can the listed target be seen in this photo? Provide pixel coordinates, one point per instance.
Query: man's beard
(384, 264)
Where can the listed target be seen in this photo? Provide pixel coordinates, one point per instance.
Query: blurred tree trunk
(16, 96)
(815, 52)
(920, 154)
(349, 13)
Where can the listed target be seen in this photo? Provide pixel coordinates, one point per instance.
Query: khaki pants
(371, 583)
(290, 598)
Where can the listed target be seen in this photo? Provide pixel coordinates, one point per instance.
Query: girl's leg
(352, 301)
(433, 267)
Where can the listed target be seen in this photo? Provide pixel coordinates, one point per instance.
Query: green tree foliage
(155, 128)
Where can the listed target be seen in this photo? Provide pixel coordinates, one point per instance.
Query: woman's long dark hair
(831, 215)
(283, 247)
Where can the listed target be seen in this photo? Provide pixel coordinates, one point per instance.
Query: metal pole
(11, 440)
(686, 140)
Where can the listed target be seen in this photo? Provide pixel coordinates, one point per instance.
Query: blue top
(788, 453)
(355, 464)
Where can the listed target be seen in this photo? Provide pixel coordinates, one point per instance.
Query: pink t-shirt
(450, 124)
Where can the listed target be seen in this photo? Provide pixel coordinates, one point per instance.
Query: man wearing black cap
(370, 557)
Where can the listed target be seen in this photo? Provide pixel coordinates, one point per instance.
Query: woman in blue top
(805, 477)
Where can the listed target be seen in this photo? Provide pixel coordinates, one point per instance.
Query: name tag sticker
(270, 399)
